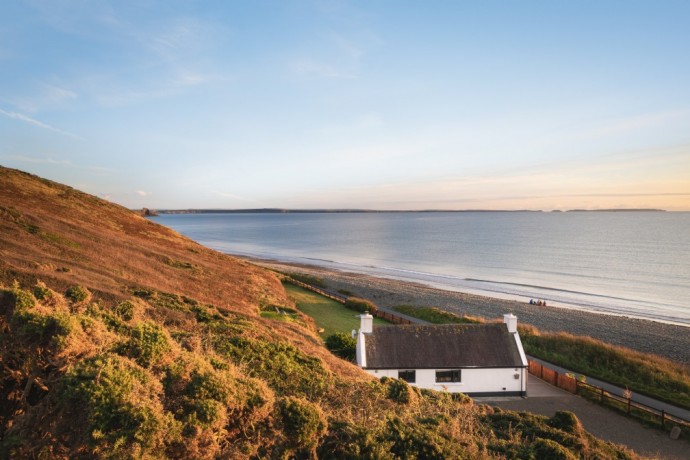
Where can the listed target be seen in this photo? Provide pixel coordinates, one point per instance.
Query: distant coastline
(345, 211)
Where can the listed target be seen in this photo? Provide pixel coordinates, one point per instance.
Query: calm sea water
(630, 263)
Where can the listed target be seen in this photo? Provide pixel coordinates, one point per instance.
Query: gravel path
(667, 340)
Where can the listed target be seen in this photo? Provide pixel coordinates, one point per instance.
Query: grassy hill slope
(120, 338)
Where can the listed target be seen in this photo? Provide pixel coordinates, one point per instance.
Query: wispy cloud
(310, 67)
(55, 162)
(40, 124)
(44, 96)
(634, 123)
(142, 193)
(341, 61)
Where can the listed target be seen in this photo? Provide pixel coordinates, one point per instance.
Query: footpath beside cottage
(475, 359)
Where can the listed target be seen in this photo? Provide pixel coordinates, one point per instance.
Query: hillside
(120, 338)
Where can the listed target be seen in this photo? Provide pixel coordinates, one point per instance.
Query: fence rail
(628, 405)
(331, 295)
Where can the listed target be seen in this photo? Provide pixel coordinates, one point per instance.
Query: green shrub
(42, 292)
(360, 305)
(399, 390)
(147, 344)
(77, 294)
(566, 421)
(342, 345)
(348, 441)
(285, 368)
(121, 406)
(17, 299)
(125, 310)
(436, 315)
(547, 448)
(419, 441)
(303, 422)
(34, 325)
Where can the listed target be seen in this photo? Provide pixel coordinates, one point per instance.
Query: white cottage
(475, 359)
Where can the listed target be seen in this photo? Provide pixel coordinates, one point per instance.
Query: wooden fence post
(628, 406)
(602, 395)
(663, 416)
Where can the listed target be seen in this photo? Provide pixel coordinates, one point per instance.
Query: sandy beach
(668, 340)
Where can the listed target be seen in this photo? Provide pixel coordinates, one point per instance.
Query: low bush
(546, 448)
(125, 310)
(304, 423)
(436, 315)
(77, 294)
(342, 345)
(121, 405)
(348, 441)
(147, 344)
(17, 298)
(360, 305)
(286, 369)
(399, 391)
(418, 440)
(45, 328)
(566, 421)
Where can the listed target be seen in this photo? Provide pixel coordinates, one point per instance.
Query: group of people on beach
(540, 302)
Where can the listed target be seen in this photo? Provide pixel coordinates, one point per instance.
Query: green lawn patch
(329, 315)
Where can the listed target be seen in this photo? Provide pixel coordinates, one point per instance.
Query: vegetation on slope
(110, 350)
(640, 372)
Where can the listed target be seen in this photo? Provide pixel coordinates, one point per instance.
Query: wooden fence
(391, 317)
(623, 404)
(331, 295)
(549, 375)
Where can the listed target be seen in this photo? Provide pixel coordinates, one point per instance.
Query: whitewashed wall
(473, 380)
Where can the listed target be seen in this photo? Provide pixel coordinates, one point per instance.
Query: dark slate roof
(441, 347)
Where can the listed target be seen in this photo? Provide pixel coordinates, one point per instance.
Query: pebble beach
(667, 340)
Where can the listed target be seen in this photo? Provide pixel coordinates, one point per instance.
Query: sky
(351, 104)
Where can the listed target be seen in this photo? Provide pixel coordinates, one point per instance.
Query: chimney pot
(510, 321)
(366, 323)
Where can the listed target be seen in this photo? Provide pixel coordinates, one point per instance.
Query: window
(448, 376)
(408, 376)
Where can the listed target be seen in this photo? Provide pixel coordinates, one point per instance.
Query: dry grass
(643, 373)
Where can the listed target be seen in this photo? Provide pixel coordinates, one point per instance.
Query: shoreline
(661, 338)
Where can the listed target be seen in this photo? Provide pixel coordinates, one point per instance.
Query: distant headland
(344, 211)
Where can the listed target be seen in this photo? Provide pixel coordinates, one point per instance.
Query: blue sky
(338, 104)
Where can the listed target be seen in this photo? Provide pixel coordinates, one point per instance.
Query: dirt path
(601, 422)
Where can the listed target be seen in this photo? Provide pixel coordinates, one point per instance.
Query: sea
(634, 264)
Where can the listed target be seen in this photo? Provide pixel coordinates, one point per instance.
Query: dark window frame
(408, 375)
(449, 376)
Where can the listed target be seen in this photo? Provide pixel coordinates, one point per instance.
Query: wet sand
(668, 340)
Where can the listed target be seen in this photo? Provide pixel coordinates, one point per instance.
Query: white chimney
(510, 320)
(366, 324)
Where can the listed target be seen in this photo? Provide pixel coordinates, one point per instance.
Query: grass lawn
(330, 315)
